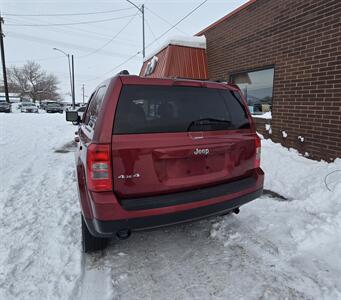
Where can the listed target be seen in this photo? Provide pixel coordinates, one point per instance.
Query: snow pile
(300, 138)
(267, 115)
(299, 240)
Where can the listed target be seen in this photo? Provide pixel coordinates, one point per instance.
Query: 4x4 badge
(128, 176)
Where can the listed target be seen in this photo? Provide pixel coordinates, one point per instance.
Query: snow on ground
(266, 115)
(274, 249)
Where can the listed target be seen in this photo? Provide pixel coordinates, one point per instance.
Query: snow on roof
(192, 41)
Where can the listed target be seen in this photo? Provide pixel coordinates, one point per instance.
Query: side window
(94, 107)
(85, 116)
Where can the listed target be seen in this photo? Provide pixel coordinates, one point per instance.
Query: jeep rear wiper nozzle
(207, 121)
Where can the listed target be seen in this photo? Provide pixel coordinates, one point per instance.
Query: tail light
(258, 152)
(99, 173)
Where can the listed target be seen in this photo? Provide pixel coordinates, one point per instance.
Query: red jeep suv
(154, 152)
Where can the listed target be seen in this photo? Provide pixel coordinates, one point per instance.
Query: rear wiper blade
(207, 121)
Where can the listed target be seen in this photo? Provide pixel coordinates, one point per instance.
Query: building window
(257, 88)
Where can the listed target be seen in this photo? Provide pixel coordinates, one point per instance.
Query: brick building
(286, 57)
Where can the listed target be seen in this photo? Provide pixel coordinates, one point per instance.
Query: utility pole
(141, 9)
(3, 60)
(73, 83)
(143, 37)
(70, 72)
(83, 90)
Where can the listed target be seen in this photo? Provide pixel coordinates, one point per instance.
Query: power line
(50, 42)
(37, 59)
(165, 20)
(155, 40)
(151, 30)
(59, 43)
(75, 23)
(114, 37)
(68, 14)
(177, 23)
(75, 30)
(118, 66)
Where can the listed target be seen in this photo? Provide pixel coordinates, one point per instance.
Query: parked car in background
(154, 152)
(5, 107)
(28, 107)
(53, 107)
(43, 105)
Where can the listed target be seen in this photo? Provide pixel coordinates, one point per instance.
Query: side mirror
(72, 116)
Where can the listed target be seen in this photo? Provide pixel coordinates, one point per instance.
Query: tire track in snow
(189, 262)
(35, 219)
(41, 258)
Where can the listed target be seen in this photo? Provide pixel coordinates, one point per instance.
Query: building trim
(237, 10)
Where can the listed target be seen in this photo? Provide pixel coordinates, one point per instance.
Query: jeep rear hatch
(176, 138)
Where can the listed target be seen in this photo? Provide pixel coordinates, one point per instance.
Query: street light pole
(70, 73)
(83, 91)
(141, 9)
(73, 83)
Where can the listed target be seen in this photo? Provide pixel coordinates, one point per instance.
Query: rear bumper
(123, 219)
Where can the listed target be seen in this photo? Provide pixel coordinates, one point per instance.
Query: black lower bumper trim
(195, 195)
(109, 228)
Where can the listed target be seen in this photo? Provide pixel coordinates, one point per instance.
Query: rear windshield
(158, 109)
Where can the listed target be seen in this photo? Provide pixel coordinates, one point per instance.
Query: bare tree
(33, 82)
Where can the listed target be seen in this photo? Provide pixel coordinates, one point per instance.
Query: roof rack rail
(123, 72)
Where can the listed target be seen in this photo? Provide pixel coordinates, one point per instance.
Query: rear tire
(91, 243)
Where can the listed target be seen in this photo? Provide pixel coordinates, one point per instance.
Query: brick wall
(302, 39)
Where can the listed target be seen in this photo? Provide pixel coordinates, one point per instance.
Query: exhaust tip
(123, 234)
(236, 211)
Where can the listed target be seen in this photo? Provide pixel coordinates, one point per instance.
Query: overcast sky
(96, 56)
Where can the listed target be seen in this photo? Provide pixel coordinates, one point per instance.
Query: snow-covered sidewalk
(274, 249)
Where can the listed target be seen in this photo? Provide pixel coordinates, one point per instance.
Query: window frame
(249, 70)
